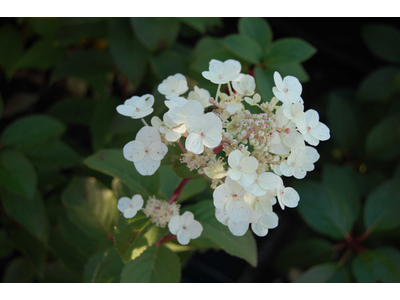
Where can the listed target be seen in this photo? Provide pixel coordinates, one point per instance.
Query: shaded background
(338, 70)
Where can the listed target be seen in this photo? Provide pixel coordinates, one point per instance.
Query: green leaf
(168, 62)
(128, 54)
(383, 207)
(19, 102)
(55, 272)
(264, 83)
(383, 139)
(345, 131)
(32, 130)
(375, 266)
(156, 33)
(18, 271)
(379, 85)
(104, 267)
(43, 55)
(113, 163)
(244, 47)
(17, 174)
(6, 248)
(1, 106)
(327, 272)
(292, 69)
(241, 246)
(73, 111)
(11, 47)
(182, 171)
(322, 208)
(258, 29)
(29, 213)
(92, 207)
(289, 50)
(383, 41)
(196, 23)
(157, 264)
(46, 27)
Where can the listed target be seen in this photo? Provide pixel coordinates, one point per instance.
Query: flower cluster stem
(178, 190)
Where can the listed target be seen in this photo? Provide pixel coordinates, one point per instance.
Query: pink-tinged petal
(157, 150)
(147, 166)
(212, 139)
(195, 124)
(174, 224)
(310, 139)
(194, 143)
(270, 181)
(195, 229)
(183, 236)
(247, 179)
(259, 229)
(238, 228)
(187, 218)
(126, 110)
(178, 114)
(123, 203)
(134, 151)
(270, 220)
(238, 210)
(234, 159)
(137, 202)
(311, 118)
(320, 132)
(234, 174)
(172, 136)
(148, 135)
(290, 197)
(130, 213)
(278, 82)
(249, 164)
(221, 196)
(312, 154)
(222, 216)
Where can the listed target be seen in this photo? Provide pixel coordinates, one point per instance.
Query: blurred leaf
(344, 181)
(18, 271)
(11, 47)
(264, 83)
(113, 163)
(101, 121)
(324, 210)
(90, 65)
(345, 130)
(1, 106)
(6, 247)
(327, 272)
(128, 54)
(173, 155)
(32, 130)
(156, 33)
(258, 29)
(379, 85)
(46, 27)
(241, 246)
(157, 264)
(373, 266)
(383, 41)
(244, 47)
(382, 207)
(92, 207)
(288, 50)
(73, 111)
(104, 267)
(18, 103)
(292, 69)
(29, 213)
(383, 139)
(43, 55)
(168, 62)
(182, 171)
(55, 272)
(17, 174)
(305, 253)
(196, 23)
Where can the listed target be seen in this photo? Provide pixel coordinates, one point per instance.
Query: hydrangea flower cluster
(245, 154)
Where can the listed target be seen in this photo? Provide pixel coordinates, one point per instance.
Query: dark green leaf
(156, 33)
(258, 29)
(44, 26)
(244, 47)
(195, 22)
(383, 41)
(240, 246)
(169, 62)
(11, 47)
(55, 272)
(382, 207)
(324, 210)
(17, 174)
(6, 247)
(104, 267)
(32, 130)
(1, 106)
(264, 83)
(157, 264)
(18, 271)
(128, 54)
(73, 111)
(19, 102)
(327, 272)
(292, 69)
(288, 50)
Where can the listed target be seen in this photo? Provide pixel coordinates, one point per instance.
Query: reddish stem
(218, 149)
(178, 190)
(363, 236)
(166, 239)
(181, 146)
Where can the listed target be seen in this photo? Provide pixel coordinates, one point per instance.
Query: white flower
(243, 169)
(233, 108)
(237, 228)
(313, 131)
(261, 204)
(171, 130)
(265, 222)
(312, 156)
(176, 101)
(229, 197)
(205, 130)
(253, 101)
(129, 207)
(185, 227)
(137, 107)
(265, 182)
(288, 90)
(294, 112)
(288, 197)
(179, 114)
(294, 165)
(147, 151)
(201, 95)
(244, 85)
(173, 86)
(222, 72)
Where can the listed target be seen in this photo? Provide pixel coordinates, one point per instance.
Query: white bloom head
(201, 95)
(130, 207)
(287, 90)
(173, 86)
(243, 169)
(137, 107)
(244, 85)
(185, 227)
(222, 72)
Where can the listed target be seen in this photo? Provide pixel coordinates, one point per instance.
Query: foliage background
(61, 79)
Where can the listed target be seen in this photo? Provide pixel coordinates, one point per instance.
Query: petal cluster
(137, 107)
(185, 227)
(130, 207)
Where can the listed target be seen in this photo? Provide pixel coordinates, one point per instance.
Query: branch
(178, 190)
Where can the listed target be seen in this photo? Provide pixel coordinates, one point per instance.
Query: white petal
(256, 190)
(148, 135)
(290, 197)
(156, 122)
(238, 228)
(247, 179)
(310, 139)
(175, 101)
(235, 158)
(234, 174)
(270, 220)
(195, 229)
(178, 114)
(134, 151)
(266, 206)
(126, 110)
(143, 113)
(163, 89)
(293, 84)
(237, 210)
(294, 97)
(157, 150)
(320, 132)
(130, 213)
(187, 218)
(193, 107)
(221, 196)
(147, 166)
(146, 102)
(269, 181)
(312, 118)
(258, 229)
(123, 203)
(183, 236)
(249, 164)
(174, 224)
(137, 202)
(172, 136)
(195, 124)
(286, 169)
(312, 154)
(278, 82)
(293, 140)
(194, 143)
(299, 173)
(280, 95)
(222, 216)
(212, 138)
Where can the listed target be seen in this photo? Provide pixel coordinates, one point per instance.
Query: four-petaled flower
(137, 107)
(287, 90)
(244, 85)
(243, 169)
(185, 227)
(222, 72)
(130, 207)
(312, 130)
(173, 86)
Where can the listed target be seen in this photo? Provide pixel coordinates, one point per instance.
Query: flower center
(239, 168)
(137, 109)
(234, 195)
(147, 150)
(184, 227)
(286, 90)
(287, 130)
(202, 134)
(309, 128)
